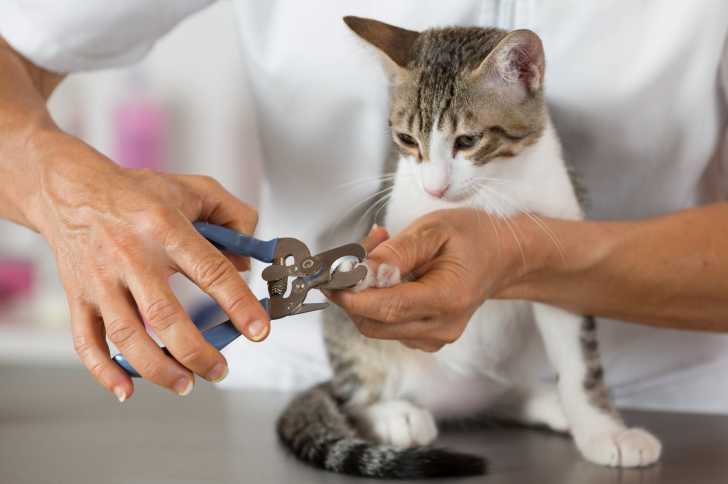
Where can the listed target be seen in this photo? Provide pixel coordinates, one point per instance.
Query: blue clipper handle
(231, 241)
(219, 336)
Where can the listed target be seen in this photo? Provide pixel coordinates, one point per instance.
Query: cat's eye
(466, 142)
(407, 140)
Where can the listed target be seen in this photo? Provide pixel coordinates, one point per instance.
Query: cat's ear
(516, 62)
(394, 43)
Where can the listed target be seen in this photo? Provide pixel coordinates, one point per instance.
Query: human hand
(118, 235)
(457, 259)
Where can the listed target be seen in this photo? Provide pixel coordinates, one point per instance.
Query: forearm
(670, 271)
(24, 90)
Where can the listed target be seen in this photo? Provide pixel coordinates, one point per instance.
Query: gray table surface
(56, 426)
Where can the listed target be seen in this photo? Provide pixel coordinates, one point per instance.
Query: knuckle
(150, 368)
(210, 182)
(159, 218)
(211, 271)
(237, 303)
(394, 310)
(96, 369)
(161, 314)
(452, 304)
(81, 346)
(450, 335)
(191, 357)
(120, 331)
(366, 328)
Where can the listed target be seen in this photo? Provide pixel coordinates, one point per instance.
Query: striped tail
(315, 429)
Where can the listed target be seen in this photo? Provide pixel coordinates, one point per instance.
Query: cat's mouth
(451, 195)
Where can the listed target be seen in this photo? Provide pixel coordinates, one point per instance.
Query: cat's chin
(457, 198)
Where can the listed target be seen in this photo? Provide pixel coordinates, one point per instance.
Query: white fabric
(67, 36)
(634, 92)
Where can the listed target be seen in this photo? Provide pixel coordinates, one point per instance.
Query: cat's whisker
(366, 199)
(536, 220)
(491, 214)
(366, 180)
(505, 218)
(381, 207)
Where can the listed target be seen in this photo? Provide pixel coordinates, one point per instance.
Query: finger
(413, 330)
(429, 346)
(90, 344)
(409, 301)
(222, 208)
(416, 245)
(162, 311)
(127, 333)
(376, 236)
(219, 206)
(214, 274)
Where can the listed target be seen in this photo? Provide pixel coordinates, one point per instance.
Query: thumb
(415, 246)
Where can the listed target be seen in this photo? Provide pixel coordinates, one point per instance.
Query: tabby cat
(471, 129)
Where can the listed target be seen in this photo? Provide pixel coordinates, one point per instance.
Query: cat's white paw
(623, 448)
(383, 276)
(388, 275)
(398, 423)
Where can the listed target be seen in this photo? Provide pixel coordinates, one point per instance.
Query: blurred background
(175, 112)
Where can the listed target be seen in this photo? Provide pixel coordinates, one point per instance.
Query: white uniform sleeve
(724, 71)
(72, 35)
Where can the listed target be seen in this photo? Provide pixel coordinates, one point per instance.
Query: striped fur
(594, 379)
(315, 428)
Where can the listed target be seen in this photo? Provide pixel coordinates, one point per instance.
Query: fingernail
(218, 373)
(120, 394)
(183, 386)
(257, 330)
(374, 227)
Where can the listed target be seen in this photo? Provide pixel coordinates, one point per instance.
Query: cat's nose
(438, 192)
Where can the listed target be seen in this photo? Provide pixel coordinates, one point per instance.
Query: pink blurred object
(16, 278)
(140, 124)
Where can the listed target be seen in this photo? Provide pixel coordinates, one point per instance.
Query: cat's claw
(385, 275)
(399, 423)
(623, 448)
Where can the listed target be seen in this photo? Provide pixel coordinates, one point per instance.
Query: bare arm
(118, 235)
(670, 271)
(24, 90)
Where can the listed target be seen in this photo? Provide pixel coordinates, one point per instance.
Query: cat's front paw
(623, 448)
(398, 423)
(385, 275)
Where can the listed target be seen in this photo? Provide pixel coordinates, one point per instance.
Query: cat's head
(462, 99)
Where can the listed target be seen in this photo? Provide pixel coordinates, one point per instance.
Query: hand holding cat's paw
(452, 279)
(623, 448)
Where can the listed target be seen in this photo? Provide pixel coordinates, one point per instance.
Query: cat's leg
(367, 373)
(535, 405)
(595, 424)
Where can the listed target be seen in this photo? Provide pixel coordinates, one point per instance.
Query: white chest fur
(487, 359)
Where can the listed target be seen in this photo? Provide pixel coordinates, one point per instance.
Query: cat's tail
(316, 430)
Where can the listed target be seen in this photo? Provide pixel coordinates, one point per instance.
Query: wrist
(554, 254)
(19, 164)
(57, 172)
